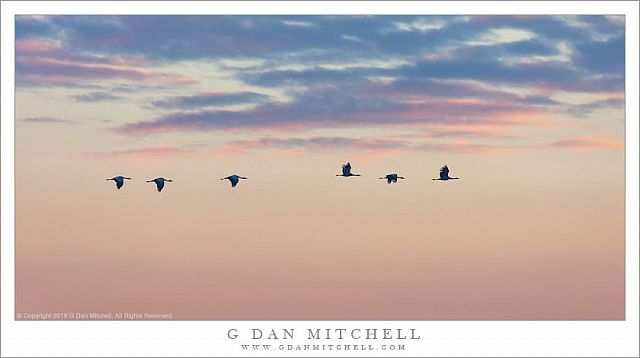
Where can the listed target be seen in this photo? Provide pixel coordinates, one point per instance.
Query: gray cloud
(96, 97)
(48, 120)
(211, 99)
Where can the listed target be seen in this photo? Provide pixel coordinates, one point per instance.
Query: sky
(527, 110)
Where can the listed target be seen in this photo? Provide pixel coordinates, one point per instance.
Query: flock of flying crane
(234, 179)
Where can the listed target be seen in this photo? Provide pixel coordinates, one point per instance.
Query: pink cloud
(35, 46)
(464, 131)
(44, 67)
(144, 153)
(369, 149)
(313, 144)
(466, 147)
(178, 79)
(46, 62)
(485, 115)
(587, 143)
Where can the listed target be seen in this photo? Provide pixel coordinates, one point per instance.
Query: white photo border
(210, 338)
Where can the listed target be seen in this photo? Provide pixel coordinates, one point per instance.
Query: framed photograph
(320, 179)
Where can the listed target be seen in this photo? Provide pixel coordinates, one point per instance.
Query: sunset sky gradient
(527, 110)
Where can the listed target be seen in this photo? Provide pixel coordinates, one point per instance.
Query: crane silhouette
(119, 180)
(392, 178)
(444, 174)
(159, 182)
(234, 179)
(346, 171)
